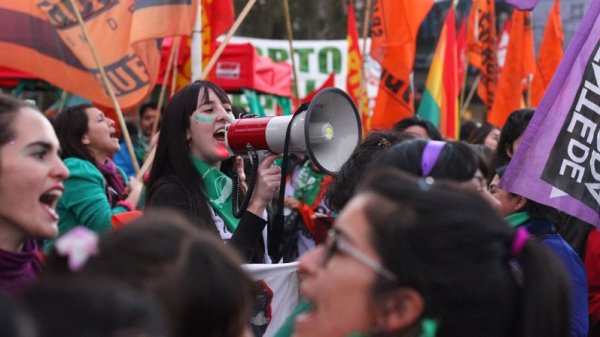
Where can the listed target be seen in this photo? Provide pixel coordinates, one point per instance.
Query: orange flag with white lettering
(45, 39)
(549, 56)
(481, 48)
(518, 67)
(394, 31)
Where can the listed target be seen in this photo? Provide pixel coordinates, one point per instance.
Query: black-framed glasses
(336, 243)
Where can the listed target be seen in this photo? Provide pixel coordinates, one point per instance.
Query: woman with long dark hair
(192, 170)
(97, 188)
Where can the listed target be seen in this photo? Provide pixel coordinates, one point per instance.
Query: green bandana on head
(218, 189)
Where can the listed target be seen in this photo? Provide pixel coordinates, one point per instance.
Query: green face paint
(205, 119)
(230, 117)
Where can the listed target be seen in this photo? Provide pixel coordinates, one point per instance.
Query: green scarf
(218, 189)
(308, 184)
(517, 219)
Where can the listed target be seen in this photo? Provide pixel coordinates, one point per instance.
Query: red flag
(481, 48)
(354, 79)
(393, 44)
(520, 64)
(45, 39)
(329, 82)
(550, 55)
(217, 17)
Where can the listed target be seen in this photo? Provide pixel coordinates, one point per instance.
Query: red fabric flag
(355, 71)
(481, 48)
(394, 31)
(217, 17)
(45, 39)
(550, 55)
(449, 120)
(519, 65)
(329, 82)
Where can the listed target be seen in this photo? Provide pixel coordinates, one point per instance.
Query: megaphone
(328, 130)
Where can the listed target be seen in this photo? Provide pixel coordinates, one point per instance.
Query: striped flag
(439, 104)
(354, 79)
(45, 39)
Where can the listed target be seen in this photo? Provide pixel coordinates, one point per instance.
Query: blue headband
(430, 156)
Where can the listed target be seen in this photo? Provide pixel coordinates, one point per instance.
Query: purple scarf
(115, 185)
(19, 270)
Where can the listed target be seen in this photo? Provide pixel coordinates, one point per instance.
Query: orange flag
(355, 72)
(519, 65)
(481, 48)
(394, 31)
(45, 39)
(549, 56)
(217, 17)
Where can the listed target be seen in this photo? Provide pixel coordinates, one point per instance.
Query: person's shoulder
(81, 167)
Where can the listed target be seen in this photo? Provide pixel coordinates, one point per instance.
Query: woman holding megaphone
(192, 170)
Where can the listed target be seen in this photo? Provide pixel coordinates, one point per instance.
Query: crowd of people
(414, 235)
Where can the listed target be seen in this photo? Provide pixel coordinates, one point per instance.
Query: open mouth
(219, 135)
(50, 200)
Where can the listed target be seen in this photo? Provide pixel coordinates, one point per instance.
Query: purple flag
(524, 5)
(558, 161)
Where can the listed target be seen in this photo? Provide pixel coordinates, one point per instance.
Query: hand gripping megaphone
(328, 130)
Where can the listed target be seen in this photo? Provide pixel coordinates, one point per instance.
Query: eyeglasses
(335, 244)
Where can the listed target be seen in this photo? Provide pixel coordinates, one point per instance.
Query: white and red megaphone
(329, 131)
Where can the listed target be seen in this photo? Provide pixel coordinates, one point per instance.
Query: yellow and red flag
(518, 67)
(481, 48)
(45, 39)
(354, 79)
(549, 56)
(439, 104)
(394, 31)
(217, 17)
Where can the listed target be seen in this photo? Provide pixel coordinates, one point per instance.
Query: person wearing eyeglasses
(411, 257)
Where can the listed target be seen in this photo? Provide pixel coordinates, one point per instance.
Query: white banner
(277, 298)
(314, 60)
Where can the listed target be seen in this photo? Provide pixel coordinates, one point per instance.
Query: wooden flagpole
(464, 107)
(290, 36)
(108, 87)
(163, 87)
(363, 83)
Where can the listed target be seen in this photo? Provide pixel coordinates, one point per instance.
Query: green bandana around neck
(517, 219)
(218, 190)
(308, 184)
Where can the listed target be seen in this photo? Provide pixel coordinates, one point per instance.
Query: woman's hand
(267, 184)
(134, 190)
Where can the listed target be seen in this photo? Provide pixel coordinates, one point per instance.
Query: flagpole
(463, 108)
(529, 83)
(107, 86)
(175, 66)
(362, 90)
(223, 44)
(163, 87)
(290, 34)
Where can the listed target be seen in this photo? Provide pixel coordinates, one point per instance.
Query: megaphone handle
(237, 208)
(276, 230)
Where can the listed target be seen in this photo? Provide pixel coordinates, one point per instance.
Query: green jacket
(84, 201)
